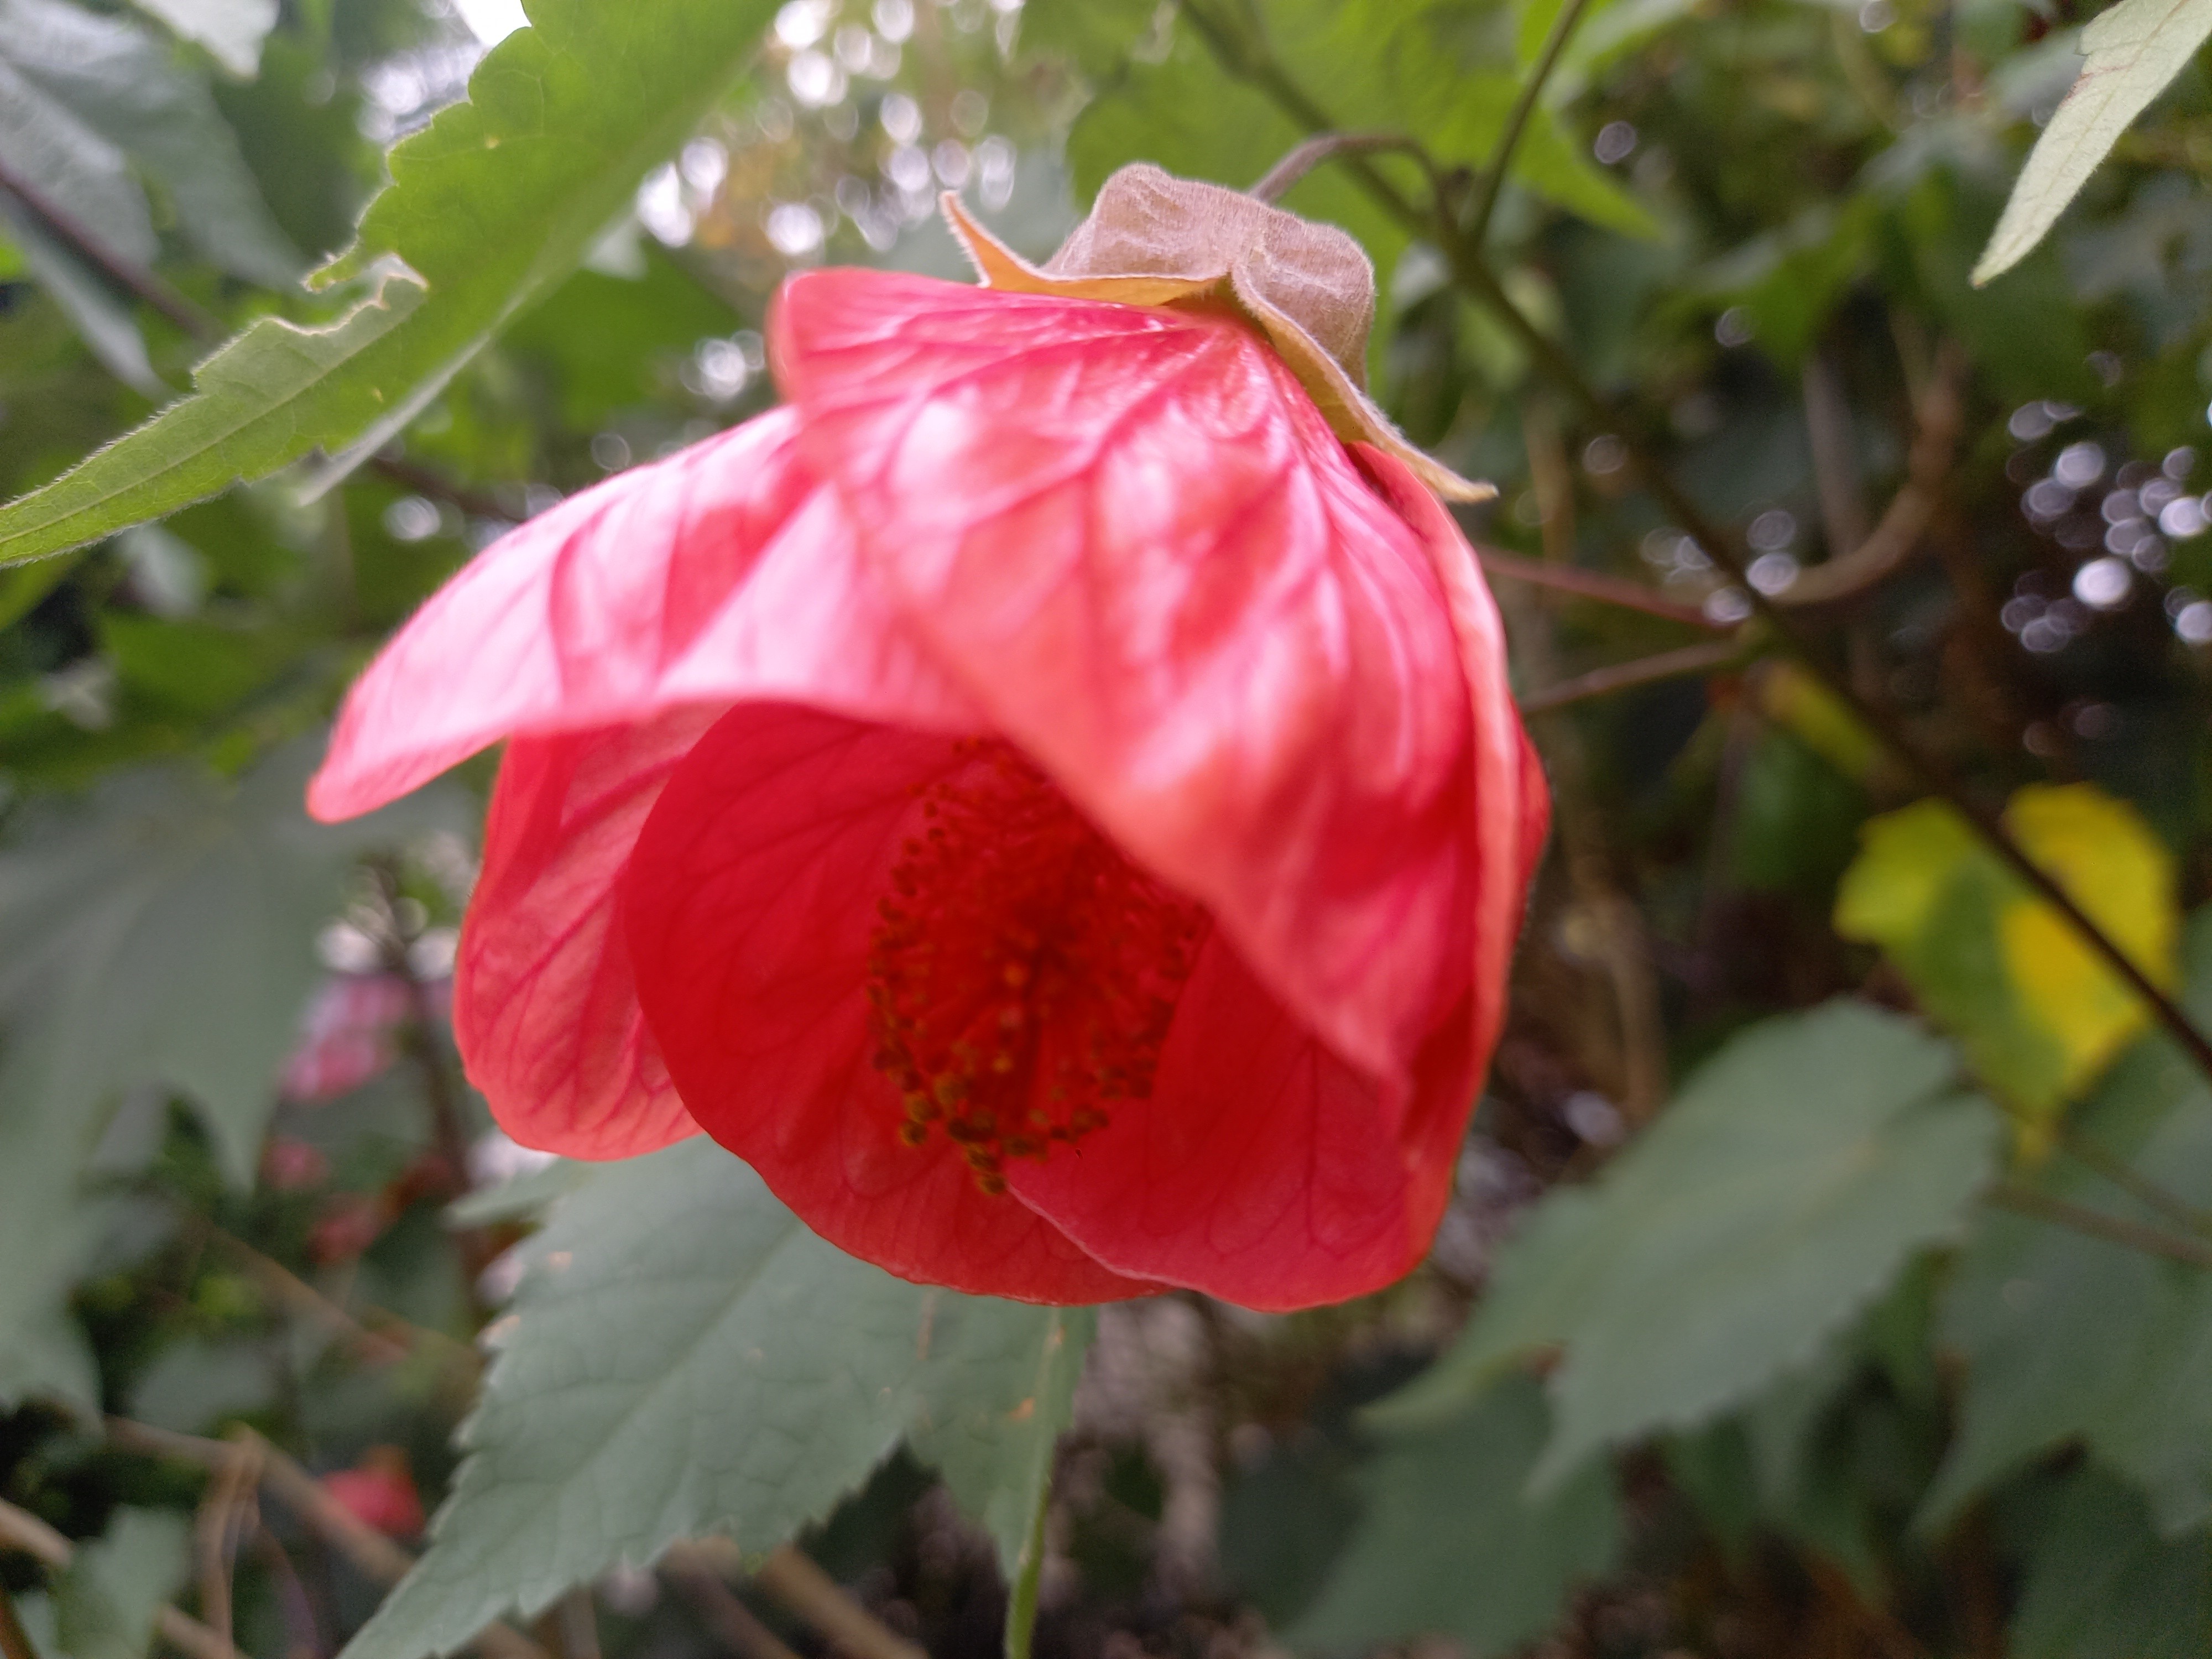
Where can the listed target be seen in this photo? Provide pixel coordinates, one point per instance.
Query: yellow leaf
(1804, 707)
(1906, 860)
(2037, 1010)
(2111, 865)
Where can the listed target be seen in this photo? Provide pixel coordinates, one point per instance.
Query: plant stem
(1595, 584)
(2096, 1224)
(23, 1530)
(2143, 1190)
(1474, 277)
(375, 1556)
(1644, 670)
(729, 1620)
(128, 275)
(1517, 123)
(13, 1642)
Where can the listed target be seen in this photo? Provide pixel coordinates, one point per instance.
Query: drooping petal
(1260, 1170)
(545, 1005)
(1509, 811)
(727, 570)
(1130, 536)
(748, 906)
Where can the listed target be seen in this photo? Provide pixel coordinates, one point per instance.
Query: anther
(1027, 973)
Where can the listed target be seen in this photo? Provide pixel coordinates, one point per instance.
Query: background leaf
(686, 1357)
(2132, 49)
(105, 1604)
(1451, 1544)
(2131, 1374)
(231, 30)
(2102, 1585)
(163, 934)
(494, 200)
(1776, 1197)
(2038, 1012)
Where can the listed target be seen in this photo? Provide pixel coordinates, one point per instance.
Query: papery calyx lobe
(1155, 240)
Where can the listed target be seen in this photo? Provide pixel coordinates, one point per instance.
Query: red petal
(545, 1006)
(724, 571)
(749, 906)
(1131, 538)
(1510, 810)
(1261, 1169)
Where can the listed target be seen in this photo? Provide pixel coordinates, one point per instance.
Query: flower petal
(748, 905)
(544, 1003)
(726, 571)
(1510, 809)
(1131, 537)
(1260, 1169)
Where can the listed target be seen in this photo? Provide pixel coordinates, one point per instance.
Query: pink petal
(1510, 812)
(545, 1005)
(1260, 1170)
(748, 905)
(1132, 539)
(726, 571)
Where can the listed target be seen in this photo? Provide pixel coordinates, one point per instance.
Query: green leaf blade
(685, 1358)
(2130, 53)
(1451, 1543)
(1773, 1200)
(490, 202)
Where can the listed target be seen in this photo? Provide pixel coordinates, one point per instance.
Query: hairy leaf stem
(1321, 148)
(1251, 60)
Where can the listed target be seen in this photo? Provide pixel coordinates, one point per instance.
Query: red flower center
(1022, 975)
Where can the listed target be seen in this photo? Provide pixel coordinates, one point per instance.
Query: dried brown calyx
(1155, 240)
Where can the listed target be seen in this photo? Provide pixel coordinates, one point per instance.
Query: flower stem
(1251, 61)
(1517, 123)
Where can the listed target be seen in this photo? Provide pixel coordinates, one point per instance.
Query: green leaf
(2131, 52)
(1775, 1198)
(46, 1356)
(261, 401)
(492, 202)
(525, 1198)
(2040, 1014)
(162, 933)
(2100, 1585)
(1003, 1479)
(106, 76)
(1451, 1544)
(2067, 1337)
(106, 1601)
(1096, 36)
(684, 1358)
(231, 30)
(46, 1228)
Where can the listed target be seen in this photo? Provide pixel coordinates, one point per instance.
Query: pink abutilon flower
(1047, 796)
